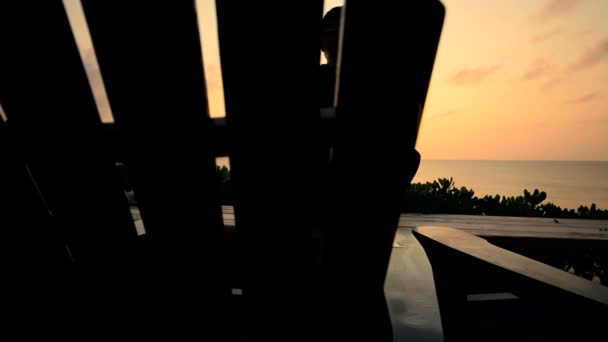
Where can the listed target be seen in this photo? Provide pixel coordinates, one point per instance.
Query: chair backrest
(387, 58)
(95, 276)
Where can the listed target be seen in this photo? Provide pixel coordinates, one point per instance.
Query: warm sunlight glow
(207, 23)
(87, 53)
(519, 79)
(513, 79)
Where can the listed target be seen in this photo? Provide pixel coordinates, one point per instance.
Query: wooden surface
(483, 250)
(410, 292)
(410, 289)
(273, 120)
(57, 133)
(497, 225)
(150, 58)
(513, 226)
(375, 120)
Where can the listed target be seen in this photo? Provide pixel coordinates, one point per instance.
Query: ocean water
(567, 183)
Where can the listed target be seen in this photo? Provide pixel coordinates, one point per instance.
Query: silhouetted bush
(443, 197)
(225, 185)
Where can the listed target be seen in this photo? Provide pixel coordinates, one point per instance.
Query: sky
(513, 79)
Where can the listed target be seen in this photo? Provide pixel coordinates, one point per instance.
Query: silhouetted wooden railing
(487, 293)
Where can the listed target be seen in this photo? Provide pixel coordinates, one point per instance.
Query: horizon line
(516, 160)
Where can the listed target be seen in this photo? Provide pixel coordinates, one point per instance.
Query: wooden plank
(58, 134)
(553, 231)
(151, 62)
(273, 113)
(381, 94)
(410, 292)
(510, 226)
(480, 249)
(565, 305)
(496, 225)
(511, 220)
(35, 262)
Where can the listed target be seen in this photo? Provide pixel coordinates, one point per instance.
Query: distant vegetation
(223, 175)
(443, 197)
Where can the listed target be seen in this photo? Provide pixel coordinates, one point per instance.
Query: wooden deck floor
(410, 289)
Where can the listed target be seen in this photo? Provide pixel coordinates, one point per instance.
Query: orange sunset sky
(513, 79)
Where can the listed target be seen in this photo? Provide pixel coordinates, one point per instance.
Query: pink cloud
(550, 84)
(557, 8)
(592, 56)
(538, 69)
(546, 36)
(473, 76)
(584, 98)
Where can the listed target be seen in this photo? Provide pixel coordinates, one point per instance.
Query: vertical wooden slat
(34, 260)
(270, 61)
(386, 61)
(150, 60)
(58, 134)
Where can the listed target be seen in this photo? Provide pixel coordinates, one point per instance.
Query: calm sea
(567, 183)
